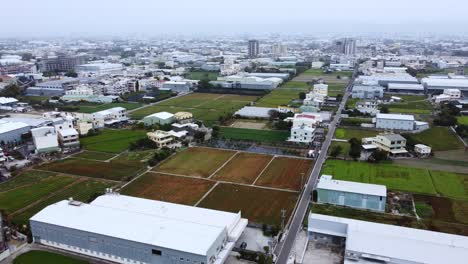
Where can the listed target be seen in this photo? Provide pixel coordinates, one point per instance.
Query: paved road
(290, 236)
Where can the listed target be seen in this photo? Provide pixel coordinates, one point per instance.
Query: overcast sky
(197, 17)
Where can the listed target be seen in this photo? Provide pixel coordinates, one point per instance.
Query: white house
(394, 144)
(45, 139)
(109, 117)
(303, 128)
(321, 89)
(448, 95)
(422, 150)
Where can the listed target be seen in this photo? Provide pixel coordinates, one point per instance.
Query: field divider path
(264, 169)
(80, 176)
(224, 164)
(206, 194)
(136, 177)
(156, 103)
(109, 160)
(47, 197)
(227, 182)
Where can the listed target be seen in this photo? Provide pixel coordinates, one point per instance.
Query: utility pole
(283, 217)
(302, 181)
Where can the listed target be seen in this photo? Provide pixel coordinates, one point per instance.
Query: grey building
(126, 229)
(367, 92)
(253, 48)
(395, 122)
(12, 132)
(352, 194)
(179, 87)
(61, 63)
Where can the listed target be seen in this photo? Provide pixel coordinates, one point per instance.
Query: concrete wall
(355, 200)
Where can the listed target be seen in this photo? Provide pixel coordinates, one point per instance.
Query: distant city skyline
(29, 18)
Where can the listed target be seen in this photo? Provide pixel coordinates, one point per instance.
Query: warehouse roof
(11, 126)
(406, 86)
(161, 115)
(168, 225)
(7, 100)
(327, 182)
(396, 117)
(448, 83)
(393, 242)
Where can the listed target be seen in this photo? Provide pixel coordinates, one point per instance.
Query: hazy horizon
(48, 18)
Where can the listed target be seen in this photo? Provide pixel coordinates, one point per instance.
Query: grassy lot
(199, 162)
(280, 96)
(347, 133)
(95, 169)
(416, 104)
(394, 177)
(93, 155)
(204, 106)
(462, 120)
(26, 178)
(134, 158)
(113, 141)
(344, 149)
(335, 89)
(286, 173)
(36, 256)
(243, 168)
(256, 204)
(84, 190)
(91, 108)
(254, 134)
(438, 138)
(168, 188)
(200, 75)
(19, 197)
(450, 184)
(293, 84)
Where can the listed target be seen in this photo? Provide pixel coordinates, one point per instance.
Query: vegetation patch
(438, 138)
(254, 134)
(112, 141)
(36, 256)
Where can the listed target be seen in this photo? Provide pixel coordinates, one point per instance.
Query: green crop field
(279, 96)
(93, 155)
(347, 133)
(36, 256)
(394, 177)
(256, 204)
(415, 104)
(254, 134)
(199, 162)
(204, 106)
(25, 194)
(113, 141)
(335, 89)
(449, 184)
(462, 120)
(91, 108)
(26, 178)
(319, 73)
(438, 138)
(95, 169)
(200, 75)
(294, 84)
(83, 190)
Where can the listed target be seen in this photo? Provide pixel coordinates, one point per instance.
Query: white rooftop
(7, 100)
(10, 126)
(406, 86)
(68, 132)
(174, 226)
(396, 116)
(162, 115)
(328, 183)
(393, 242)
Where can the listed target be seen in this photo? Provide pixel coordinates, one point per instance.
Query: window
(156, 252)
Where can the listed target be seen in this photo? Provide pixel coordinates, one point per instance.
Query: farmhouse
(352, 194)
(448, 95)
(394, 144)
(161, 118)
(399, 122)
(422, 150)
(303, 128)
(109, 117)
(367, 242)
(125, 229)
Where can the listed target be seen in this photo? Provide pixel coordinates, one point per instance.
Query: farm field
(335, 89)
(295, 84)
(156, 186)
(249, 124)
(94, 169)
(36, 256)
(21, 194)
(438, 138)
(254, 134)
(200, 75)
(411, 104)
(243, 168)
(394, 177)
(206, 107)
(256, 204)
(280, 96)
(199, 162)
(348, 133)
(112, 141)
(93, 155)
(82, 190)
(462, 120)
(286, 173)
(91, 108)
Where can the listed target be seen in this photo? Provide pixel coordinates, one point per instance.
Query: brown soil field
(168, 188)
(243, 168)
(256, 204)
(285, 173)
(198, 162)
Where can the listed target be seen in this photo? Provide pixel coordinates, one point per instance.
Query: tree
(11, 90)
(336, 151)
(205, 84)
(355, 149)
(71, 73)
(215, 131)
(384, 109)
(273, 114)
(379, 155)
(302, 95)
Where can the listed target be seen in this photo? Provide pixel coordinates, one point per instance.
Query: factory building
(126, 229)
(367, 92)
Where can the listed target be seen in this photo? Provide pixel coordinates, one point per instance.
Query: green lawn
(15, 199)
(347, 133)
(438, 138)
(200, 75)
(91, 108)
(36, 256)
(82, 191)
(254, 134)
(394, 177)
(113, 141)
(462, 120)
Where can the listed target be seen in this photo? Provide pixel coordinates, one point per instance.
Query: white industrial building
(405, 88)
(434, 85)
(100, 68)
(45, 139)
(399, 122)
(367, 242)
(126, 229)
(109, 117)
(254, 111)
(179, 87)
(367, 92)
